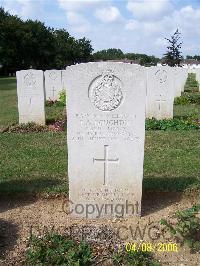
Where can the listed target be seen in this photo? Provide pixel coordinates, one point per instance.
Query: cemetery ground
(33, 182)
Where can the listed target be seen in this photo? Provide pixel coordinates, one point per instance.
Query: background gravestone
(53, 84)
(184, 77)
(178, 81)
(197, 72)
(160, 92)
(64, 78)
(30, 92)
(105, 132)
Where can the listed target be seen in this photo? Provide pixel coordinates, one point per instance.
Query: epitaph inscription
(109, 194)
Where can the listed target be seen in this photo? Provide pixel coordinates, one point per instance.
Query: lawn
(37, 162)
(8, 102)
(33, 162)
(187, 110)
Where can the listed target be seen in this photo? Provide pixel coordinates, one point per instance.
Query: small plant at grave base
(134, 258)
(54, 249)
(181, 100)
(62, 97)
(187, 228)
(29, 127)
(50, 102)
(171, 124)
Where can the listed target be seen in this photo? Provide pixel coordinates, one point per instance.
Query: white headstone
(178, 81)
(53, 84)
(105, 135)
(64, 78)
(160, 92)
(184, 77)
(197, 72)
(30, 92)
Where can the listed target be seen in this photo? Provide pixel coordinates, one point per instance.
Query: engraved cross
(160, 101)
(106, 162)
(53, 90)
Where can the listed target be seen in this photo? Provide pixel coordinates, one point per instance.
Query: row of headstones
(105, 129)
(33, 88)
(163, 84)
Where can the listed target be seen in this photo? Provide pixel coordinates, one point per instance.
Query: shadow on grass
(167, 183)
(26, 190)
(8, 237)
(28, 186)
(159, 193)
(155, 201)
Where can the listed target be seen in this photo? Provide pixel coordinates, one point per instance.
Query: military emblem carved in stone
(105, 91)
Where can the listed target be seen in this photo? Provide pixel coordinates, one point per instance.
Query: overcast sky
(138, 26)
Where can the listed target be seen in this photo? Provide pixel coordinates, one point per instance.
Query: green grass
(191, 83)
(187, 110)
(172, 154)
(192, 92)
(8, 102)
(54, 113)
(37, 162)
(33, 162)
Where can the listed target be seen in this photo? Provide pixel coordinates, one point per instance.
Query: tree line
(117, 54)
(25, 44)
(195, 57)
(32, 44)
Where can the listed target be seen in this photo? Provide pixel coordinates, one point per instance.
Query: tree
(64, 48)
(109, 54)
(25, 44)
(38, 45)
(196, 57)
(69, 51)
(173, 55)
(83, 51)
(146, 60)
(117, 54)
(11, 34)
